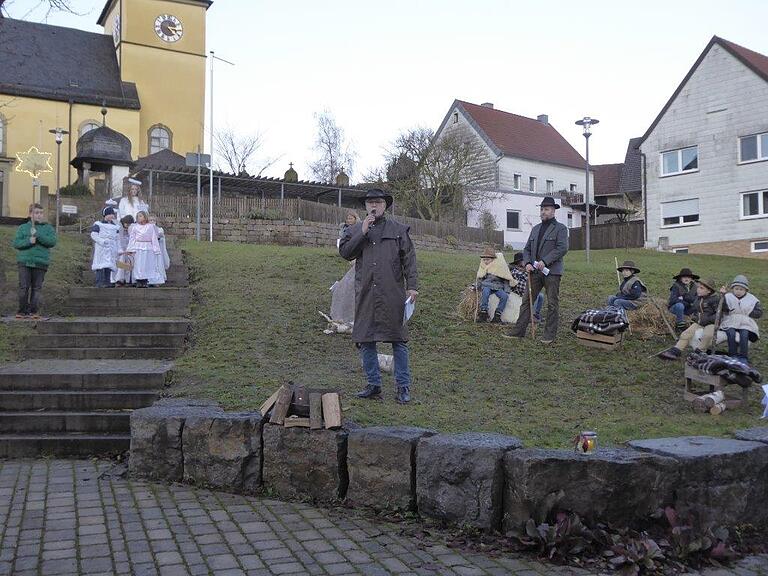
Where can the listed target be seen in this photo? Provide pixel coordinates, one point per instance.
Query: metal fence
(613, 235)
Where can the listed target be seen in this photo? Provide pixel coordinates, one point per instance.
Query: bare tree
(49, 6)
(238, 153)
(438, 178)
(333, 152)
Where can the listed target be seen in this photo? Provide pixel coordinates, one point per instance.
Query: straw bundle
(647, 322)
(468, 305)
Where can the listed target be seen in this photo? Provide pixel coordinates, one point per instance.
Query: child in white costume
(144, 245)
(123, 275)
(131, 203)
(165, 260)
(105, 248)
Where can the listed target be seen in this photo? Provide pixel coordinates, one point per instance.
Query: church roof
(57, 63)
(103, 147)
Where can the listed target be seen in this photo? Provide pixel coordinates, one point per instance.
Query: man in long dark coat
(543, 257)
(385, 275)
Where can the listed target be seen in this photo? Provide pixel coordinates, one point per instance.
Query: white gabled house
(706, 158)
(525, 160)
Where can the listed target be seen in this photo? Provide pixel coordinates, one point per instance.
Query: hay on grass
(647, 322)
(468, 305)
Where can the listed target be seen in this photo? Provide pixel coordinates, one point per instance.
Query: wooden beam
(292, 421)
(267, 406)
(332, 410)
(280, 411)
(315, 410)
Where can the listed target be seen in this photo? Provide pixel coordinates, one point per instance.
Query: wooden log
(267, 406)
(280, 411)
(718, 408)
(315, 410)
(298, 421)
(332, 410)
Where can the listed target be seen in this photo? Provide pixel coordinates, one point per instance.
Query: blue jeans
(742, 347)
(500, 294)
(621, 303)
(370, 359)
(538, 304)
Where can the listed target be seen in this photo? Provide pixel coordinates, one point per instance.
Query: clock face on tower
(168, 28)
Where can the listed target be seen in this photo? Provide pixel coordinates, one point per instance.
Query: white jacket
(105, 245)
(738, 313)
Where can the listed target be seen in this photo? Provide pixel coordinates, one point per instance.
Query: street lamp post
(59, 133)
(587, 124)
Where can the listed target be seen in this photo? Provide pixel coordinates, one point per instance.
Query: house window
(572, 188)
(532, 184)
(517, 182)
(87, 126)
(760, 246)
(680, 250)
(570, 220)
(680, 161)
(601, 200)
(455, 117)
(550, 186)
(159, 139)
(753, 148)
(513, 220)
(754, 204)
(680, 213)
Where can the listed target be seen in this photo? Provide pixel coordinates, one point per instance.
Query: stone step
(79, 400)
(115, 325)
(47, 422)
(44, 341)
(158, 310)
(62, 445)
(84, 374)
(88, 293)
(101, 353)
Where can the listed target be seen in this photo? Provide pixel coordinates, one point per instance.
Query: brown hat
(489, 252)
(686, 272)
(629, 265)
(709, 283)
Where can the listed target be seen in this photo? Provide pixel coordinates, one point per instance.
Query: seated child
(740, 310)
(703, 316)
(682, 294)
(493, 277)
(517, 268)
(105, 248)
(632, 292)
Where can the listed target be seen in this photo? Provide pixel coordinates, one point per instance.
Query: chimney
(543, 118)
(487, 105)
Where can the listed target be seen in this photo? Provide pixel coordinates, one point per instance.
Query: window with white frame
(680, 212)
(572, 188)
(513, 220)
(760, 246)
(753, 148)
(754, 204)
(517, 181)
(550, 186)
(159, 139)
(680, 250)
(680, 161)
(455, 117)
(532, 183)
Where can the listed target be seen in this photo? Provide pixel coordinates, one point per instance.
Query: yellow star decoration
(34, 162)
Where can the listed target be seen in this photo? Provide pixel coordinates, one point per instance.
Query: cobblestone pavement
(63, 517)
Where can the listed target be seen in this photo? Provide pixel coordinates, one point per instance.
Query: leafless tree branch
(239, 152)
(333, 153)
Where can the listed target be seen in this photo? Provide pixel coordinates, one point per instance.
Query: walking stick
(664, 318)
(718, 314)
(618, 274)
(530, 304)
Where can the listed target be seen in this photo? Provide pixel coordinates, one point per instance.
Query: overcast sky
(386, 66)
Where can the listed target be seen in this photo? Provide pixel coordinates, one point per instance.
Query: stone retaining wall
(292, 233)
(485, 481)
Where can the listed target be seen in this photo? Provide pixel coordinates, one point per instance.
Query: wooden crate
(735, 395)
(600, 341)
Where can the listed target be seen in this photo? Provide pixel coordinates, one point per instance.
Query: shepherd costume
(385, 266)
(739, 320)
(703, 316)
(145, 247)
(632, 292)
(493, 278)
(105, 248)
(32, 260)
(682, 297)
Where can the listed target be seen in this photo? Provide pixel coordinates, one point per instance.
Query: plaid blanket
(729, 368)
(609, 320)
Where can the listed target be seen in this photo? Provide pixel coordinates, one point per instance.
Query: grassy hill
(257, 326)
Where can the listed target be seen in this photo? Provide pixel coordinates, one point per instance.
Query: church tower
(160, 46)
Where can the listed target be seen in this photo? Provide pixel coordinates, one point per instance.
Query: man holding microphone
(385, 278)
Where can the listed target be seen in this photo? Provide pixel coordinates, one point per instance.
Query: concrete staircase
(85, 373)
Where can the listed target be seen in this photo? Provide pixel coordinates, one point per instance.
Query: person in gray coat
(385, 275)
(543, 257)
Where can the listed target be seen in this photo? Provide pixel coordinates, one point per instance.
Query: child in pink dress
(144, 245)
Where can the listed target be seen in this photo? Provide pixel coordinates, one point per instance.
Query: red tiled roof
(522, 137)
(607, 178)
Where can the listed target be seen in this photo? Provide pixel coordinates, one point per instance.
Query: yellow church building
(147, 69)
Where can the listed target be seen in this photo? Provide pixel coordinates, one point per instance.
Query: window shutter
(680, 208)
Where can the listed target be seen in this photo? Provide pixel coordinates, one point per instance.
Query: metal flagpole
(210, 194)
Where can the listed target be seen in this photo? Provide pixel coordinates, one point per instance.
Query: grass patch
(256, 326)
(68, 258)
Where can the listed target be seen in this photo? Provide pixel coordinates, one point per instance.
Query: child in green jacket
(33, 242)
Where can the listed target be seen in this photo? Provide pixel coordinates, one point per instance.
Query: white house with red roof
(706, 158)
(527, 159)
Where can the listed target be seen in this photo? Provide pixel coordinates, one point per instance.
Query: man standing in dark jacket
(385, 276)
(543, 256)
(33, 242)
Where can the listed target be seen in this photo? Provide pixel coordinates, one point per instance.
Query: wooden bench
(733, 399)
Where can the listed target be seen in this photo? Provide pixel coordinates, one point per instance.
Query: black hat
(518, 258)
(686, 272)
(107, 211)
(549, 201)
(377, 193)
(629, 265)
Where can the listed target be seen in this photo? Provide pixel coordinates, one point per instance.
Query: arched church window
(87, 126)
(160, 138)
